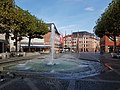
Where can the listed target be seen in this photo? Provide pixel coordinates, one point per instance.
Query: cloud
(68, 28)
(89, 9)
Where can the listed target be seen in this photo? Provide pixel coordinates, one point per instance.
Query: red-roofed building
(47, 38)
(67, 42)
(107, 44)
(81, 42)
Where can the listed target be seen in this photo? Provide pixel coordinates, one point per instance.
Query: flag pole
(71, 41)
(65, 42)
(77, 42)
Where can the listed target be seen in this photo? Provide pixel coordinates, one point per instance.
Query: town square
(59, 45)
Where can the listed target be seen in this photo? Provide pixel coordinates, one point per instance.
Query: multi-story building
(37, 44)
(107, 44)
(85, 42)
(67, 42)
(47, 37)
(82, 42)
(43, 45)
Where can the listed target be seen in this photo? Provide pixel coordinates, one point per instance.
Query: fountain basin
(66, 67)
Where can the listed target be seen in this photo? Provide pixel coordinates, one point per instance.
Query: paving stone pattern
(108, 80)
(96, 85)
(59, 84)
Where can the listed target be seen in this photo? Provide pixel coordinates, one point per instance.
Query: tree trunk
(114, 47)
(7, 42)
(15, 35)
(29, 43)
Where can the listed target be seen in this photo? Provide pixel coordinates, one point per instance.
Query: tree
(40, 29)
(6, 6)
(19, 22)
(109, 22)
(19, 25)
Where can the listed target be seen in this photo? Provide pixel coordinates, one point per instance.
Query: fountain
(66, 67)
(52, 46)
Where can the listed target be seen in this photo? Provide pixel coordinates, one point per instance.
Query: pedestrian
(101, 52)
(95, 50)
(6, 54)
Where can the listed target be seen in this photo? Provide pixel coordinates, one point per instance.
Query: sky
(68, 15)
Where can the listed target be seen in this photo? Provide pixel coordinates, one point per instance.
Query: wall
(106, 43)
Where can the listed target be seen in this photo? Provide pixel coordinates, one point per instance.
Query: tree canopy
(14, 19)
(109, 22)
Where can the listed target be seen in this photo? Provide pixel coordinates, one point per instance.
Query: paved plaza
(109, 79)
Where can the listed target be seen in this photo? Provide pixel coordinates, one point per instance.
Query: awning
(36, 46)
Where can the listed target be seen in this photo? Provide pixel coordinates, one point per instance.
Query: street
(111, 66)
(108, 79)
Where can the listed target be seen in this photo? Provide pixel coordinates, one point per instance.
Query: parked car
(115, 55)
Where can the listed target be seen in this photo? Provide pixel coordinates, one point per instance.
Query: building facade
(67, 43)
(42, 45)
(107, 44)
(82, 42)
(37, 44)
(47, 38)
(2, 43)
(4, 47)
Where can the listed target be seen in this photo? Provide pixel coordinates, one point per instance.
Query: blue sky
(68, 15)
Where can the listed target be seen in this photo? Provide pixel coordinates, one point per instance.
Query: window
(110, 39)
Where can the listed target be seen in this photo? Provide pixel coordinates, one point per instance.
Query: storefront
(36, 48)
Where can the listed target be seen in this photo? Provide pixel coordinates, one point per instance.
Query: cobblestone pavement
(58, 84)
(111, 65)
(109, 79)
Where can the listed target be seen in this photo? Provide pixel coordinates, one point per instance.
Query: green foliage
(6, 7)
(18, 21)
(42, 28)
(109, 22)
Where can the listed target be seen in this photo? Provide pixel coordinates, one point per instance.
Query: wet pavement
(109, 79)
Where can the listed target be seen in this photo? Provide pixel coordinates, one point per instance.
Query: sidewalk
(112, 62)
(111, 71)
(106, 57)
(113, 65)
(13, 59)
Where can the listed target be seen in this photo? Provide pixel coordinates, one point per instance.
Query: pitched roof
(49, 25)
